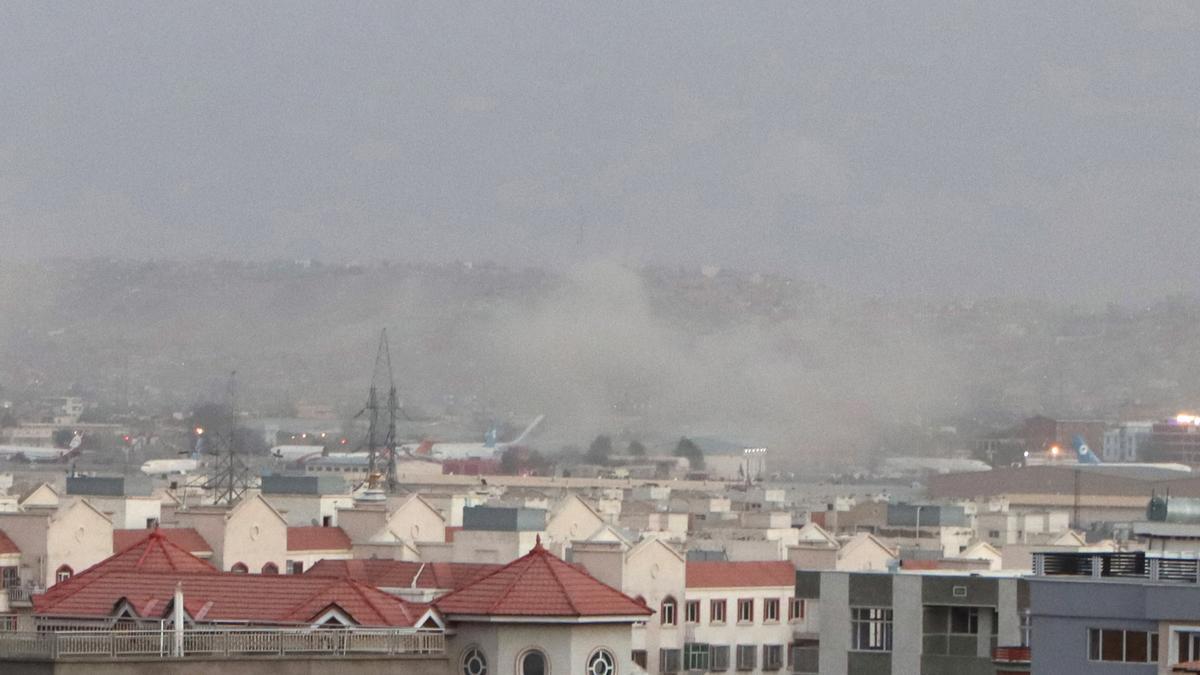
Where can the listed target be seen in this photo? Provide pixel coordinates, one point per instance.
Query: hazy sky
(1049, 149)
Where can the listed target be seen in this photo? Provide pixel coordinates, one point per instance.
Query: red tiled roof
(152, 552)
(227, 597)
(722, 574)
(541, 585)
(7, 545)
(317, 539)
(186, 538)
(404, 574)
(920, 564)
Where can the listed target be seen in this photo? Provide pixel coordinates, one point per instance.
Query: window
(601, 662)
(771, 610)
(239, 568)
(638, 656)
(746, 657)
(994, 534)
(296, 566)
(746, 610)
(8, 623)
(63, 573)
(532, 662)
(796, 609)
(270, 568)
(668, 660)
(871, 629)
(695, 656)
(10, 577)
(326, 521)
(691, 611)
(964, 620)
(1188, 647)
(151, 523)
(1026, 628)
(772, 657)
(474, 662)
(716, 611)
(718, 656)
(667, 612)
(1128, 646)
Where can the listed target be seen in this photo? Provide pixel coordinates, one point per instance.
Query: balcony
(21, 596)
(1012, 659)
(208, 643)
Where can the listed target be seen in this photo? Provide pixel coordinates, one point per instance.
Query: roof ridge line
(554, 573)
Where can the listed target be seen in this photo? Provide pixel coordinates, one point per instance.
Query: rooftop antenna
(230, 479)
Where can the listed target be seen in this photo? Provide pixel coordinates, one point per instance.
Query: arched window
(666, 614)
(532, 662)
(474, 662)
(270, 568)
(239, 568)
(601, 662)
(63, 573)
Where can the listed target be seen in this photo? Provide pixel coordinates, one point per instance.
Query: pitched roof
(317, 538)
(539, 584)
(724, 574)
(7, 545)
(186, 538)
(228, 597)
(404, 574)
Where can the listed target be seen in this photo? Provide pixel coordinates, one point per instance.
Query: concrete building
(1114, 613)
(307, 500)
(911, 623)
(128, 501)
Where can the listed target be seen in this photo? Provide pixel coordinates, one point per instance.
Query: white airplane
(488, 448)
(33, 453)
(297, 453)
(163, 467)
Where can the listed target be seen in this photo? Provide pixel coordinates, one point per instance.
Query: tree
(636, 449)
(688, 449)
(599, 450)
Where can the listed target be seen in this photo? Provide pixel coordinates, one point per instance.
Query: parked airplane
(163, 467)
(297, 453)
(32, 453)
(488, 448)
(1088, 459)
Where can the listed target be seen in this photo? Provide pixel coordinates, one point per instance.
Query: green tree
(636, 449)
(599, 450)
(688, 449)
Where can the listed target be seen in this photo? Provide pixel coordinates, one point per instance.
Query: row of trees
(601, 449)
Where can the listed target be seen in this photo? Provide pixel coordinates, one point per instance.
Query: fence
(207, 642)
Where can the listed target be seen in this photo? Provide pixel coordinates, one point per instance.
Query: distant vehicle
(1088, 459)
(33, 453)
(487, 449)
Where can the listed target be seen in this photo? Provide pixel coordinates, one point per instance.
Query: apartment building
(1126, 612)
(736, 616)
(909, 623)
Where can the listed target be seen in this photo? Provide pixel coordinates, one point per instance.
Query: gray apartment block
(936, 623)
(1124, 613)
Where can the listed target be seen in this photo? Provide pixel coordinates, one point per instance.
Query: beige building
(250, 536)
(56, 544)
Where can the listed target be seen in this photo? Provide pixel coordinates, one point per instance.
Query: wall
(733, 632)
(77, 536)
(567, 646)
(255, 535)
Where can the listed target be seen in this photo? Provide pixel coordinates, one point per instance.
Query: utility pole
(229, 481)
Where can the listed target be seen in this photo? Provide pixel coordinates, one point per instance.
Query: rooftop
(725, 574)
(186, 538)
(539, 584)
(317, 538)
(404, 574)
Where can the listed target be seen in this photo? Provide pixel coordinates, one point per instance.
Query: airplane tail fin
(528, 430)
(1082, 452)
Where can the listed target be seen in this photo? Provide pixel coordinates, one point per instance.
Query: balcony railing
(1011, 655)
(205, 643)
(1121, 565)
(21, 595)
